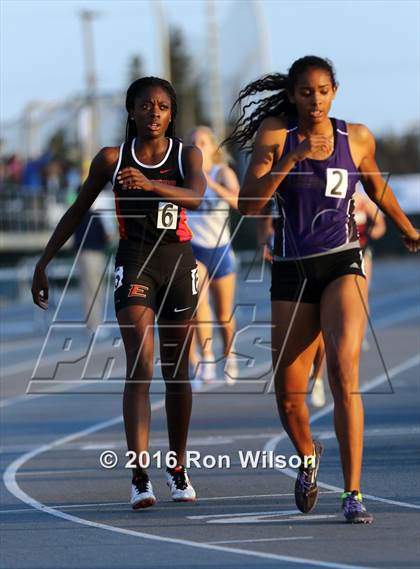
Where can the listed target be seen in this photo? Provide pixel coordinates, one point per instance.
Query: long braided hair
(134, 91)
(278, 104)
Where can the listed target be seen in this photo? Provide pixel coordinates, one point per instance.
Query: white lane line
(258, 517)
(33, 473)
(193, 441)
(12, 486)
(376, 432)
(210, 441)
(272, 443)
(261, 539)
(265, 513)
(9, 479)
(70, 385)
(20, 367)
(376, 301)
(271, 519)
(377, 324)
(395, 318)
(258, 496)
(193, 505)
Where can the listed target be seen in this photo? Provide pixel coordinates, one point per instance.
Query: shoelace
(353, 505)
(305, 480)
(140, 483)
(179, 477)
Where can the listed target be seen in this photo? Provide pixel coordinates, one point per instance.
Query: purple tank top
(313, 205)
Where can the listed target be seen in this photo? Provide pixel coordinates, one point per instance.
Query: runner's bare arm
(261, 179)
(374, 184)
(99, 174)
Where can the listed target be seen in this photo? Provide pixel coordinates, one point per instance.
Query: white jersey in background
(210, 222)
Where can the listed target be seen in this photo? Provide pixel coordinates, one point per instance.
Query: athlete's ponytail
(277, 104)
(134, 91)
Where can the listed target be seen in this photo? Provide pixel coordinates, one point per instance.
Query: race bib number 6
(167, 215)
(337, 183)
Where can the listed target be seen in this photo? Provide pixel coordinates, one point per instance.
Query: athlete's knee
(137, 385)
(343, 364)
(290, 405)
(178, 385)
(140, 371)
(343, 374)
(139, 359)
(225, 318)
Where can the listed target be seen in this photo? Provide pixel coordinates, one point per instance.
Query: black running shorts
(163, 278)
(313, 274)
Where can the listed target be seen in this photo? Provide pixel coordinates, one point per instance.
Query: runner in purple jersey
(311, 163)
(319, 192)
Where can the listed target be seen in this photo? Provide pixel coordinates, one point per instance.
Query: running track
(60, 509)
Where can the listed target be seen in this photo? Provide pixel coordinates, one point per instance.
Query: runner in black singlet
(155, 180)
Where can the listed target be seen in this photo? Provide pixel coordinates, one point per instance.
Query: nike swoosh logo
(165, 171)
(181, 309)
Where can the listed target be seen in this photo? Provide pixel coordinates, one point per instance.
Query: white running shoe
(231, 371)
(142, 493)
(318, 393)
(208, 372)
(180, 485)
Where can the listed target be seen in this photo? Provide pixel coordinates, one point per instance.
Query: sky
(374, 44)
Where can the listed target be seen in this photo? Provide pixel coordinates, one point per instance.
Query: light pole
(163, 35)
(215, 85)
(90, 138)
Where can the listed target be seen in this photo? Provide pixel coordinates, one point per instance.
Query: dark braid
(134, 91)
(277, 104)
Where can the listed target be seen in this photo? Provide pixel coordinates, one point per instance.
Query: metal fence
(24, 211)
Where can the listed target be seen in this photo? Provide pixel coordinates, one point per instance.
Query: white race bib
(167, 215)
(337, 183)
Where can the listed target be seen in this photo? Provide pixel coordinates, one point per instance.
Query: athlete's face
(152, 112)
(203, 141)
(313, 95)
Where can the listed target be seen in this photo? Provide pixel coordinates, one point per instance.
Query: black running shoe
(306, 490)
(354, 510)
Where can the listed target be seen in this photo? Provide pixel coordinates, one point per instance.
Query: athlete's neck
(325, 127)
(150, 149)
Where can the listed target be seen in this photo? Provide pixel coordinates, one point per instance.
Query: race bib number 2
(167, 215)
(337, 183)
